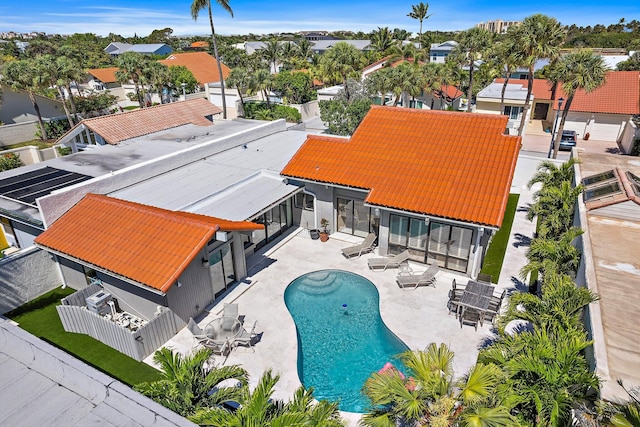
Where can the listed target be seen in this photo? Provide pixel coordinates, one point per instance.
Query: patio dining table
(476, 296)
(223, 329)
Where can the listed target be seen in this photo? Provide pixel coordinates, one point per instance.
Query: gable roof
(105, 75)
(203, 66)
(148, 245)
(451, 92)
(446, 164)
(115, 128)
(620, 94)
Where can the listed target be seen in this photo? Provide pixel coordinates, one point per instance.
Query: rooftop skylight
(601, 177)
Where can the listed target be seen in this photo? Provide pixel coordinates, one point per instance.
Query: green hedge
(260, 111)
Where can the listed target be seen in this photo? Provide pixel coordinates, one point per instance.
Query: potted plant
(324, 233)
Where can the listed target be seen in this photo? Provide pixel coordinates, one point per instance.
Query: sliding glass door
(355, 218)
(221, 268)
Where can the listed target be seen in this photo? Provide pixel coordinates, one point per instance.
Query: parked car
(568, 140)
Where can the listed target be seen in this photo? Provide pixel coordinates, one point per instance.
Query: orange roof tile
(119, 127)
(446, 164)
(148, 245)
(105, 75)
(619, 95)
(203, 66)
(200, 44)
(451, 92)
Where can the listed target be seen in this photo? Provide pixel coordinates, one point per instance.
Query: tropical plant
(158, 76)
(427, 396)
(472, 44)
(380, 83)
(259, 409)
(382, 39)
(550, 175)
(240, 78)
(9, 161)
(293, 87)
(506, 57)
(627, 414)
(554, 206)
(579, 70)
(408, 82)
(21, 75)
(343, 117)
(179, 75)
(196, 7)
(538, 36)
(547, 374)
(341, 62)
(554, 255)
(188, 384)
(52, 73)
(419, 12)
(95, 104)
(272, 52)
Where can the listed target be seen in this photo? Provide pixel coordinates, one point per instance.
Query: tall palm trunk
(40, 122)
(470, 91)
(66, 107)
(215, 53)
(527, 102)
(137, 87)
(565, 111)
(346, 87)
(504, 89)
(72, 101)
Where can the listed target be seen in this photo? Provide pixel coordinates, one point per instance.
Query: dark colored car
(568, 140)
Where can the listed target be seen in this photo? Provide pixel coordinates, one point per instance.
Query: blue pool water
(341, 336)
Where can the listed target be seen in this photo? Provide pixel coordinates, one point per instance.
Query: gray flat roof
(99, 160)
(43, 385)
(234, 184)
(513, 91)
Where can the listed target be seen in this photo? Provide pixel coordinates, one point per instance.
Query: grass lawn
(495, 254)
(40, 318)
(37, 142)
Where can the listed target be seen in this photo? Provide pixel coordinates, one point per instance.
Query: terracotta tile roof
(451, 92)
(203, 66)
(119, 127)
(105, 75)
(446, 164)
(148, 245)
(619, 95)
(200, 44)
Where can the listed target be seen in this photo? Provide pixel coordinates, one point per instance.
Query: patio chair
(366, 246)
(388, 262)
(496, 302)
(246, 338)
(217, 347)
(454, 296)
(470, 316)
(229, 314)
(428, 277)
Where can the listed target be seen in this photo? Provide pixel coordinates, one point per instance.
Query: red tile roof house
(433, 182)
(603, 113)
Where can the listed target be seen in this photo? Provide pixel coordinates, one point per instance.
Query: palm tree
(382, 39)
(550, 175)
(196, 7)
(380, 83)
(259, 409)
(554, 206)
(304, 50)
(130, 66)
(408, 82)
(471, 46)
(506, 57)
(341, 61)
(49, 75)
(21, 75)
(554, 255)
(427, 397)
(187, 382)
(538, 36)
(272, 52)
(158, 76)
(580, 70)
(241, 79)
(261, 81)
(419, 11)
(70, 72)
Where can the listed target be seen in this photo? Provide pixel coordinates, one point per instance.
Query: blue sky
(253, 16)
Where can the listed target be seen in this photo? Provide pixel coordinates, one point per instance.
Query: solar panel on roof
(27, 187)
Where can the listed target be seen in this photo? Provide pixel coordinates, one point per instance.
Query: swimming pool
(341, 336)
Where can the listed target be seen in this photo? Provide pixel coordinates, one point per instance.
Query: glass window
(512, 111)
(604, 176)
(398, 230)
(635, 183)
(418, 234)
(303, 201)
(602, 190)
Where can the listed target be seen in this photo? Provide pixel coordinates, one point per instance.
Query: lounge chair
(388, 262)
(366, 246)
(246, 338)
(428, 277)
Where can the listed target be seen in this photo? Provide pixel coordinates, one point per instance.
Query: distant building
(117, 48)
(498, 26)
(322, 46)
(439, 51)
(314, 36)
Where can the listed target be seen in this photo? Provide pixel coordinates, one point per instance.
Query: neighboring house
(498, 26)
(609, 213)
(440, 51)
(447, 97)
(409, 176)
(116, 128)
(103, 79)
(69, 391)
(117, 48)
(602, 113)
(18, 108)
(314, 36)
(321, 46)
(200, 45)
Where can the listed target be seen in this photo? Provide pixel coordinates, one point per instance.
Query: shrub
(64, 151)
(9, 161)
(55, 129)
(260, 111)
